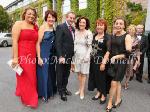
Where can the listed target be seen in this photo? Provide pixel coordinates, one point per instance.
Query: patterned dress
(97, 78)
(133, 57)
(82, 49)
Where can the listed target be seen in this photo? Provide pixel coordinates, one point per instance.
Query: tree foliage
(134, 7)
(4, 20)
(136, 14)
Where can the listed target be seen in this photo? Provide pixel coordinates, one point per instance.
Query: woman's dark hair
(25, 11)
(102, 21)
(87, 23)
(51, 12)
(121, 18)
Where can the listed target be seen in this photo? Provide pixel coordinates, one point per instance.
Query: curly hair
(87, 22)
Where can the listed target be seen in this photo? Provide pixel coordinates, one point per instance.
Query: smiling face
(119, 25)
(82, 24)
(132, 31)
(100, 28)
(50, 20)
(30, 16)
(70, 18)
(139, 28)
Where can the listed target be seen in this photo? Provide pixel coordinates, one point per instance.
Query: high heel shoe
(118, 105)
(126, 86)
(45, 100)
(77, 93)
(102, 101)
(96, 98)
(108, 109)
(82, 97)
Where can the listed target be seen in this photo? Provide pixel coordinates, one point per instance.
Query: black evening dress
(117, 48)
(97, 78)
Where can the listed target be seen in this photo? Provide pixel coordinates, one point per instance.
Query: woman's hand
(14, 62)
(138, 63)
(40, 61)
(86, 60)
(102, 67)
(61, 60)
(113, 59)
(72, 67)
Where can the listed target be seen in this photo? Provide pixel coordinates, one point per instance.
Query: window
(7, 35)
(26, 2)
(54, 5)
(82, 4)
(44, 9)
(66, 6)
(20, 4)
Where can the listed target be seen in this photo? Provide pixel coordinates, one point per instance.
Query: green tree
(5, 20)
(135, 15)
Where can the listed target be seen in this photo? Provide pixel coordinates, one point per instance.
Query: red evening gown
(26, 86)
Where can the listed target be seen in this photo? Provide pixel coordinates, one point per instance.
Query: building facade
(147, 23)
(93, 9)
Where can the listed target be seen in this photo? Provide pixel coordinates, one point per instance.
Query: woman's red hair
(102, 22)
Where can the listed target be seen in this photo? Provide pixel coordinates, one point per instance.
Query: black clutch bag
(110, 70)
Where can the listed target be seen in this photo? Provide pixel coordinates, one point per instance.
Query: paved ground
(135, 99)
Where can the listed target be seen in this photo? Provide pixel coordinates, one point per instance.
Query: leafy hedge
(134, 7)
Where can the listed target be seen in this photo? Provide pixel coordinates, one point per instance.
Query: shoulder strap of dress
(94, 36)
(124, 36)
(54, 31)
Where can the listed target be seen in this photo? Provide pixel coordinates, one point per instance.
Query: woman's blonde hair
(132, 27)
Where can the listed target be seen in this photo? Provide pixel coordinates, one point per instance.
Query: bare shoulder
(128, 37)
(18, 24)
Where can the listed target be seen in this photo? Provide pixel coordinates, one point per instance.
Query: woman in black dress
(121, 45)
(99, 57)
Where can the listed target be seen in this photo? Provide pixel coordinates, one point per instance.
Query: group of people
(48, 56)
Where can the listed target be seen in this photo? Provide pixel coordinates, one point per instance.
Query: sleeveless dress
(46, 73)
(133, 58)
(117, 48)
(26, 86)
(97, 78)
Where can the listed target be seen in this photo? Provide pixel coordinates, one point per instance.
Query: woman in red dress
(25, 35)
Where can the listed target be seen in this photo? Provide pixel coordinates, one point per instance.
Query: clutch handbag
(110, 70)
(17, 68)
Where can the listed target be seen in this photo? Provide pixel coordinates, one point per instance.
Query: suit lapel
(142, 39)
(68, 31)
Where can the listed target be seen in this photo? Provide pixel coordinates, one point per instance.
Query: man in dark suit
(64, 44)
(143, 49)
(148, 57)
